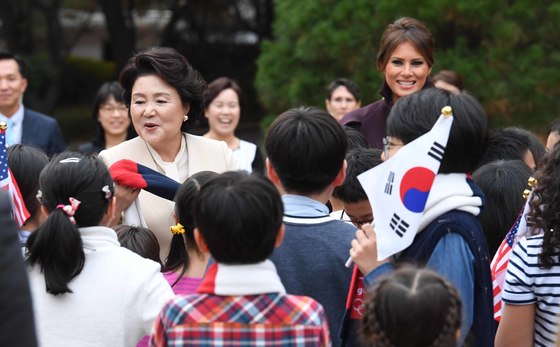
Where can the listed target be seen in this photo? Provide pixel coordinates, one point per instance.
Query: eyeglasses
(358, 222)
(111, 108)
(387, 144)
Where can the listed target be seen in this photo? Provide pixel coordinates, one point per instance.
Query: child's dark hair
(411, 307)
(355, 138)
(359, 160)
(545, 204)
(415, 114)
(503, 183)
(505, 144)
(178, 257)
(139, 240)
(306, 148)
(56, 245)
(239, 216)
(26, 163)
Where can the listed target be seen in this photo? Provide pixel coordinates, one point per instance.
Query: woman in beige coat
(164, 95)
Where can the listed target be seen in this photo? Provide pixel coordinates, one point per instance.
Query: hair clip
(177, 229)
(39, 196)
(70, 210)
(70, 160)
(107, 192)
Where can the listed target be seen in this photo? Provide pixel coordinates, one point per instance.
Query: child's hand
(124, 196)
(364, 249)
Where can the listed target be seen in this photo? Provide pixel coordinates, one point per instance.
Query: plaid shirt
(269, 319)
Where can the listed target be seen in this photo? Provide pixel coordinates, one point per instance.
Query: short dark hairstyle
(355, 138)
(411, 307)
(107, 89)
(26, 163)
(405, 29)
(351, 86)
(19, 60)
(139, 240)
(359, 160)
(536, 147)
(56, 245)
(451, 77)
(505, 144)
(306, 148)
(219, 85)
(239, 216)
(415, 114)
(174, 69)
(555, 126)
(503, 183)
(178, 258)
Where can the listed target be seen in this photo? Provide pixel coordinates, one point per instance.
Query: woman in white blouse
(222, 108)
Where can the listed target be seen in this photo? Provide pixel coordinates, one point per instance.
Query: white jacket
(115, 298)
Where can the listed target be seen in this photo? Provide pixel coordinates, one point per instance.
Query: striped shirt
(273, 319)
(526, 283)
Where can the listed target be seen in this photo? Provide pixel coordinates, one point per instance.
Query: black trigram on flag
(398, 225)
(436, 151)
(389, 184)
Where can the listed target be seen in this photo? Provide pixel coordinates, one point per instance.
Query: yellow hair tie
(177, 229)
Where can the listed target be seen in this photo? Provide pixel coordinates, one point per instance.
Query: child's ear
(280, 236)
(272, 175)
(200, 242)
(341, 175)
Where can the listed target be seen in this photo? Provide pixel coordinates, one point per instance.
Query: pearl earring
(185, 118)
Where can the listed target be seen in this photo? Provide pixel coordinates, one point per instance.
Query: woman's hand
(364, 249)
(125, 196)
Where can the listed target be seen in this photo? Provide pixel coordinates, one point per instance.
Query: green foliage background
(507, 51)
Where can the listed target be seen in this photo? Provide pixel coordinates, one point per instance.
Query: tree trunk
(121, 31)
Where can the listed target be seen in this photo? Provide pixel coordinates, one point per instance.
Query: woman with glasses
(111, 119)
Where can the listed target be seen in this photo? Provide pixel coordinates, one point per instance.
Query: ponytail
(178, 258)
(57, 247)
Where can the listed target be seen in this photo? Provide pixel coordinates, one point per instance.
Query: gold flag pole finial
(532, 182)
(3, 126)
(447, 111)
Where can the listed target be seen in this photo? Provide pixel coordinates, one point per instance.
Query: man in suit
(24, 125)
(17, 327)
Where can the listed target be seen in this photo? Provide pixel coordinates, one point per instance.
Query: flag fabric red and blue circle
(415, 187)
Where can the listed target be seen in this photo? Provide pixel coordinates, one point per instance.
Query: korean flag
(398, 188)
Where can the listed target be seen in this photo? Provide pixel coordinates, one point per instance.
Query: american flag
(501, 258)
(8, 183)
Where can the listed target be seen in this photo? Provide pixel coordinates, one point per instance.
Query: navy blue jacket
(42, 131)
(464, 224)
